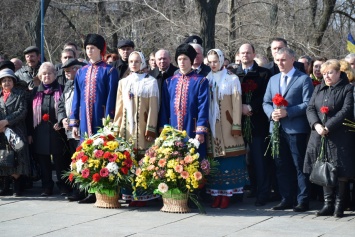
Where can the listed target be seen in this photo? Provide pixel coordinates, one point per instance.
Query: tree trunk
(207, 10)
(33, 27)
(232, 36)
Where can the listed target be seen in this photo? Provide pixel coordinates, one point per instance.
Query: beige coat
(227, 91)
(137, 107)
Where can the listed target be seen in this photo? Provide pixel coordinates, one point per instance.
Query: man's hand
(200, 138)
(76, 132)
(65, 123)
(277, 114)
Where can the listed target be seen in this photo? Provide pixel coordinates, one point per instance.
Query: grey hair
(287, 51)
(165, 51)
(197, 46)
(46, 65)
(308, 58)
(350, 56)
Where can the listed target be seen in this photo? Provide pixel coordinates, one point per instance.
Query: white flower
(98, 141)
(112, 167)
(158, 142)
(195, 142)
(79, 165)
(168, 143)
(163, 187)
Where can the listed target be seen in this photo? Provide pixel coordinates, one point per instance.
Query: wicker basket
(175, 203)
(104, 201)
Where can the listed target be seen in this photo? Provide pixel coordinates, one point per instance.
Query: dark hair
(70, 44)
(308, 58)
(69, 50)
(322, 59)
(278, 39)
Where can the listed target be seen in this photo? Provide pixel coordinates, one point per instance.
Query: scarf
(38, 99)
(6, 95)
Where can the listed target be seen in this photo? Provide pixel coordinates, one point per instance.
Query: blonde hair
(330, 64)
(46, 65)
(346, 67)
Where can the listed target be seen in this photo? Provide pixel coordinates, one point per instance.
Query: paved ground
(54, 216)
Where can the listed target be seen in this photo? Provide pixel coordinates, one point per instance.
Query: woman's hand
(76, 132)
(56, 127)
(320, 129)
(3, 124)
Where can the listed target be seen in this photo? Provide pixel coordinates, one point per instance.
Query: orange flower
(151, 167)
(198, 175)
(179, 168)
(188, 159)
(184, 174)
(152, 160)
(162, 163)
(138, 171)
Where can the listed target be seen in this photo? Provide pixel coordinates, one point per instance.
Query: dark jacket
(65, 105)
(272, 66)
(261, 76)
(340, 148)
(122, 68)
(203, 70)
(14, 110)
(46, 140)
(162, 76)
(26, 73)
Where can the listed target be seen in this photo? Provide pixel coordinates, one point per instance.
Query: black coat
(122, 68)
(162, 77)
(261, 77)
(46, 140)
(340, 148)
(14, 110)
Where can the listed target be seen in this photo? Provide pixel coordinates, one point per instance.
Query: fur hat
(96, 40)
(186, 49)
(7, 64)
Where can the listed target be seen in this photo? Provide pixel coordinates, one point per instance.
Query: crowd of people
(228, 107)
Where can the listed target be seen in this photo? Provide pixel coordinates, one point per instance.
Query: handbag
(324, 174)
(14, 140)
(7, 158)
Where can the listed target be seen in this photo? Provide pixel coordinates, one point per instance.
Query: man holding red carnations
(289, 141)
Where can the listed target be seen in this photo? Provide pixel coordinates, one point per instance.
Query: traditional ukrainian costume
(136, 116)
(225, 113)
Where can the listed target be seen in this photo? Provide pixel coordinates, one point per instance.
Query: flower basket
(175, 203)
(105, 201)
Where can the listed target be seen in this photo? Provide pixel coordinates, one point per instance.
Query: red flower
(124, 170)
(85, 173)
(84, 159)
(89, 141)
(107, 155)
(324, 109)
(104, 172)
(45, 117)
(128, 162)
(110, 137)
(249, 86)
(71, 177)
(79, 148)
(96, 177)
(112, 158)
(315, 83)
(279, 101)
(126, 154)
(98, 153)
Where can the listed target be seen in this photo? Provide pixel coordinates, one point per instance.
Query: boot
(5, 186)
(17, 190)
(216, 202)
(340, 196)
(224, 202)
(328, 207)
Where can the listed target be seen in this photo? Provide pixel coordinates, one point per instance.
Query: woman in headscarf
(225, 142)
(136, 113)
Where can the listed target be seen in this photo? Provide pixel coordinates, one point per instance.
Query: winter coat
(14, 110)
(46, 140)
(340, 141)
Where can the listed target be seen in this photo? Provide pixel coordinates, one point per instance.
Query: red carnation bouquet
(248, 87)
(324, 110)
(103, 163)
(280, 102)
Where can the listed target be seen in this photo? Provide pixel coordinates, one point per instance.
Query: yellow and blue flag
(350, 44)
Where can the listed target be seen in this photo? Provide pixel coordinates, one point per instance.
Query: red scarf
(6, 95)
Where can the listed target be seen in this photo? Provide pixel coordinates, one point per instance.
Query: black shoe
(47, 192)
(302, 207)
(274, 197)
(281, 206)
(259, 203)
(91, 198)
(327, 210)
(75, 197)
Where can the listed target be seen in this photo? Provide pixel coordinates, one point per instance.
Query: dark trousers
(73, 144)
(259, 165)
(61, 164)
(293, 183)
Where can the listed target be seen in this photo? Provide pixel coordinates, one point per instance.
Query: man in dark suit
(250, 72)
(276, 44)
(198, 65)
(296, 87)
(124, 48)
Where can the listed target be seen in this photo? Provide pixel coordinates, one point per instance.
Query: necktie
(283, 84)
(246, 71)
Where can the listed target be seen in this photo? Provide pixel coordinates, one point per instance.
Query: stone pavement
(33, 215)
